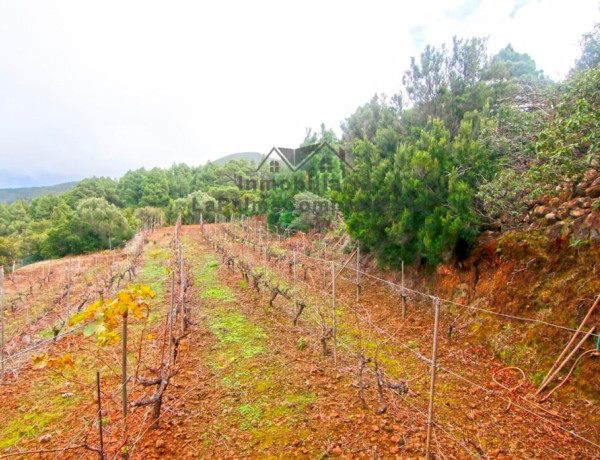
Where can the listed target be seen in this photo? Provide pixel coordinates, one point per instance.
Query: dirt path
(251, 384)
(48, 409)
(476, 416)
(261, 388)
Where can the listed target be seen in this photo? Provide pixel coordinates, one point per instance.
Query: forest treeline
(471, 142)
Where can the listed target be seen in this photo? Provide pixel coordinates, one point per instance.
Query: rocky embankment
(574, 212)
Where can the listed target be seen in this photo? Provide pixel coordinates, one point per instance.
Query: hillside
(271, 359)
(247, 156)
(9, 195)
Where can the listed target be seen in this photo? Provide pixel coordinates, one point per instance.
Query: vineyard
(231, 340)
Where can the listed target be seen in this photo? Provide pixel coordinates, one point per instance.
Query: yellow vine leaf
(61, 363)
(39, 361)
(107, 313)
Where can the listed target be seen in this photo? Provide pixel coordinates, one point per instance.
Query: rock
(45, 439)
(540, 211)
(593, 191)
(554, 232)
(576, 227)
(554, 202)
(67, 395)
(564, 195)
(576, 212)
(160, 444)
(590, 175)
(581, 187)
(562, 211)
(550, 218)
(592, 220)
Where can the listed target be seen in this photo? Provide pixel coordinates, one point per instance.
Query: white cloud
(91, 88)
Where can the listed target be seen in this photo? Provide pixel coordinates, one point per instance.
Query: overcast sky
(99, 87)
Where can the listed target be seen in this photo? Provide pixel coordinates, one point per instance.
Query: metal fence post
(433, 375)
(295, 296)
(357, 271)
(2, 322)
(334, 313)
(403, 294)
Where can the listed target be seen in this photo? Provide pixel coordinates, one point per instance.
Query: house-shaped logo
(296, 159)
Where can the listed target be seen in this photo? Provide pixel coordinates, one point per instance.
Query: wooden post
(565, 350)
(433, 374)
(182, 291)
(172, 311)
(101, 452)
(124, 369)
(403, 294)
(334, 314)
(265, 267)
(68, 291)
(12, 274)
(295, 297)
(2, 323)
(201, 223)
(568, 358)
(357, 271)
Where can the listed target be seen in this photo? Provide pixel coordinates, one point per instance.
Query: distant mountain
(248, 156)
(8, 195)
